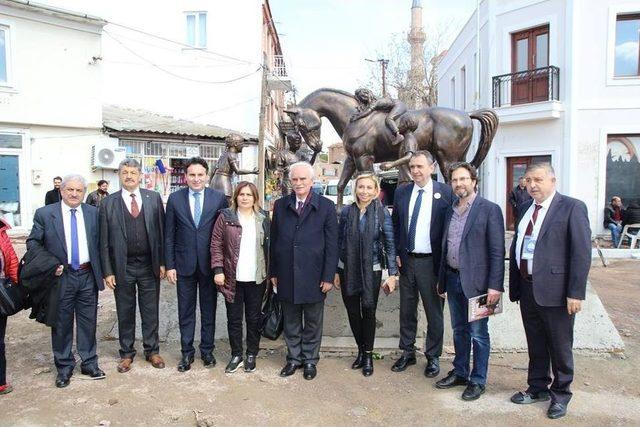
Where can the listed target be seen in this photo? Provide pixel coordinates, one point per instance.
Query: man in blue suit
(69, 231)
(418, 221)
(191, 213)
(550, 257)
(304, 259)
(472, 264)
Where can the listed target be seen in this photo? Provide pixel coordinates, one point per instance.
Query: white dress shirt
(83, 246)
(247, 257)
(423, 226)
(192, 203)
(524, 222)
(126, 196)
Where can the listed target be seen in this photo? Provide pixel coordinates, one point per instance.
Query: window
(4, 55)
(197, 29)
(453, 92)
(463, 83)
(627, 51)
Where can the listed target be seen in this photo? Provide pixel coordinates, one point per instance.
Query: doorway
(529, 59)
(516, 166)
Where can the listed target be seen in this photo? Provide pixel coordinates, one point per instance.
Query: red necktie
(135, 210)
(524, 264)
(300, 207)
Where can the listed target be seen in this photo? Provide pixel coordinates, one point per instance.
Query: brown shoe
(156, 361)
(125, 365)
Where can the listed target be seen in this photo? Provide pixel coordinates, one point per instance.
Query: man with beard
(95, 197)
(53, 196)
(472, 265)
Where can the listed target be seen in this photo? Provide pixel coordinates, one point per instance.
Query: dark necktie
(135, 210)
(413, 225)
(300, 207)
(524, 264)
(75, 247)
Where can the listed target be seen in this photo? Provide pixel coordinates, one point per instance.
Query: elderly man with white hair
(304, 258)
(68, 230)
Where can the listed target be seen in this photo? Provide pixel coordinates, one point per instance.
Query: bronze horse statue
(446, 133)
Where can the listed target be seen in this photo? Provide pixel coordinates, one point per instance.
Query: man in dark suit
(550, 258)
(304, 259)
(132, 252)
(53, 196)
(69, 231)
(418, 222)
(472, 265)
(191, 213)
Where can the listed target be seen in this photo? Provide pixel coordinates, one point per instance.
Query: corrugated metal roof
(135, 120)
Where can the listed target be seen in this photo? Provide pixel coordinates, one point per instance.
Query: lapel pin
(436, 195)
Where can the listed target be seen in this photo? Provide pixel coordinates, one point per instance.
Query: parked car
(318, 188)
(331, 192)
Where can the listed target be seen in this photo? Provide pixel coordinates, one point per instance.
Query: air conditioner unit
(106, 155)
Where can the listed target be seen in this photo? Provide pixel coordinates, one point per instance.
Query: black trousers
(418, 280)
(303, 331)
(139, 277)
(362, 320)
(549, 332)
(188, 288)
(248, 298)
(3, 360)
(78, 299)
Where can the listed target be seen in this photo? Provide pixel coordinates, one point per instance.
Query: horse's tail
(488, 126)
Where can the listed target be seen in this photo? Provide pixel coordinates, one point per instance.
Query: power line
(171, 73)
(246, 101)
(180, 43)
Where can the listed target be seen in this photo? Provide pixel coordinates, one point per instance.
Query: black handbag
(271, 321)
(13, 298)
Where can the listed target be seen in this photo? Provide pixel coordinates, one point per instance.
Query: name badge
(528, 247)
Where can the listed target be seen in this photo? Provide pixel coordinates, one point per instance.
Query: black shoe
(95, 373)
(433, 367)
(525, 397)
(234, 364)
(404, 361)
(250, 363)
(472, 392)
(185, 363)
(556, 410)
(359, 362)
(62, 381)
(289, 369)
(208, 360)
(367, 364)
(451, 380)
(310, 371)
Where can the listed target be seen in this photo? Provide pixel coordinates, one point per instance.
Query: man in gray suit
(550, 258)
(69, 231)
(472, 265)
(132, 252)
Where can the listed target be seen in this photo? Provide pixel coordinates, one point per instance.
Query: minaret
(417, 75)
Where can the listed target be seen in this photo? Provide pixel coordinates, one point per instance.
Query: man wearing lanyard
(419, 210)
(79, 272)
(550, 258)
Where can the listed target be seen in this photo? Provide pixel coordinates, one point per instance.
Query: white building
(50, 102)
(564, 77)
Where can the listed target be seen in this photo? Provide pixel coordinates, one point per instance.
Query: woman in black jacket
(365, 244)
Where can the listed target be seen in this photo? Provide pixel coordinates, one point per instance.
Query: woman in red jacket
(8, 268)
(239, 248)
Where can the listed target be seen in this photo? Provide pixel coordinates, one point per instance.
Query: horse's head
(308, 123)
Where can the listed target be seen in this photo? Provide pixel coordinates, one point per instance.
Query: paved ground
(606, 390)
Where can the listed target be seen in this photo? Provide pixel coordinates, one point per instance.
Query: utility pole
(261, 145)
(383, 64)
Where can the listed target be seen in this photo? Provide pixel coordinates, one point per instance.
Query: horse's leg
(348, 168)
(364, 163)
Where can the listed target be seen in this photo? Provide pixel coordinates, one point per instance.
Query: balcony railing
(524, 87)
(278, 68)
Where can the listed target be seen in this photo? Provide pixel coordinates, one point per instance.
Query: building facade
(564, 78)
(50, 102)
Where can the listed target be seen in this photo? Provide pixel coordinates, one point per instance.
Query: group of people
(441, 243)
(616, 217)
(94, 198)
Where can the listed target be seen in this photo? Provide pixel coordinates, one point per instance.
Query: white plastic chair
(626, 232)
